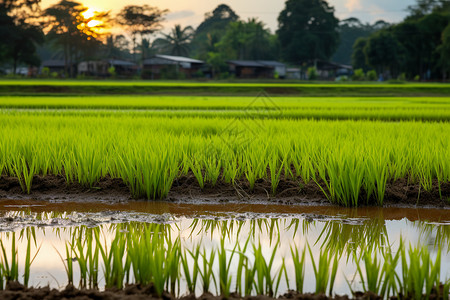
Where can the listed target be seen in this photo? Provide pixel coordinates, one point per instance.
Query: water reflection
(103, 243)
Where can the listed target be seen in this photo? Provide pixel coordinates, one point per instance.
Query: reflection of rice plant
(191, 276)
(9, 267)
(224, 268)
(440, 233)
(299, 267)
(377, 277)
(337, 236)
(419, 272)
(325, 270)
(207, 272)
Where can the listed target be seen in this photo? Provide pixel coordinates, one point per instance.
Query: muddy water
(326, 228)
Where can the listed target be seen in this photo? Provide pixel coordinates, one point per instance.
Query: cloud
(178, 15)
(352, 5)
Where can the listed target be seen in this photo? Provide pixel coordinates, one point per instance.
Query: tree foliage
(177, 42)
(350, 30)
(415, 47)
(307, 30)
(141, 20)
(20, 32)
(211, 30)
(66, 24)
(248, 40)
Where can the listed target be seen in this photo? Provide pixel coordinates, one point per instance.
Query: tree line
(308, 31)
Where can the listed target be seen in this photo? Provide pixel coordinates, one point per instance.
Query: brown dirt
(187, 190)
(15, 290)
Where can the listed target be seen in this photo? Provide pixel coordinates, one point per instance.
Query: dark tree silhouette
(307, 30)
(141, 20)
(177, 42)
(18, 28)
(66, 24)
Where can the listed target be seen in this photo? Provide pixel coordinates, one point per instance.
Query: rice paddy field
(224, 190)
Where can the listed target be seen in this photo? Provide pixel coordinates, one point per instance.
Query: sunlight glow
(89, 13)
(94, 23)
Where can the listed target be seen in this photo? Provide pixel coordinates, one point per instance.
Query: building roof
(245, 63)
(256, 63)
(173, 59)
(53, 63)
(271, 63)
(116, 62)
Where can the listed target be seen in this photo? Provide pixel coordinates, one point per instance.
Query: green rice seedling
(298, 260)
(230, 168)
(149, 149)
(325, 271)
(213, 168)
(275, 171)
(191, 278)
(376, 178)
(224, 263)
(207, 271)
(196, 169)
(24, 172)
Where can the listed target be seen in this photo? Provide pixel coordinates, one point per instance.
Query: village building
(253, 69)
(172, 67)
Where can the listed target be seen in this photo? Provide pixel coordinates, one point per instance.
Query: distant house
(328, 69)
(294, 73)
(54, 66)
(104, 68)
(249, 69)
(171, 67)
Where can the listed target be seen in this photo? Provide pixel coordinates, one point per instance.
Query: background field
(98, 87)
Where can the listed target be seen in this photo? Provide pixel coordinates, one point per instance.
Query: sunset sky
(192, 12)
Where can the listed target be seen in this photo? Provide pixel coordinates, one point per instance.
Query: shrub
(359, 75)
(312, 73)
(372, 75)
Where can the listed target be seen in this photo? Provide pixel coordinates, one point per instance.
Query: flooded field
(248, 249)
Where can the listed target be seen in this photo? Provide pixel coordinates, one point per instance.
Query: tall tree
(76, 34)
(359, 60)
(424, 7)
(140, 20)
(117, 46)
(444, 51)
(18, 29)
(350, 30)
(177, 42)
(211, 30)
(307, 30)
(248, 40)
(385, 53)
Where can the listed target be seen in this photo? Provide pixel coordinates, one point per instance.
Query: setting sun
(94, 23)
(89, 13)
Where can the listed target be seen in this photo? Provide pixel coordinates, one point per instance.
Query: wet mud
(400, 193)
(15, 290)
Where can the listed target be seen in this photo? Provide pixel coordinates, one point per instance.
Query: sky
(192, 12)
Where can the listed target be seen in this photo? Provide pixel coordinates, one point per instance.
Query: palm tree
(176, 42)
